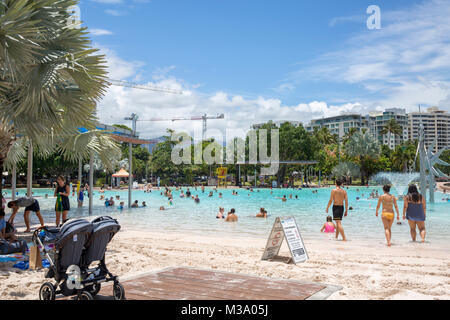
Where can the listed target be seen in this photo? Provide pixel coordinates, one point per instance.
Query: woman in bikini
(387, 215)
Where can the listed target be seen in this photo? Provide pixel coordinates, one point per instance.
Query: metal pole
(13, 182)
(320, 176)
(130, 176)
(91, 181)
(30, 170)
(239, 183)
(80, 171)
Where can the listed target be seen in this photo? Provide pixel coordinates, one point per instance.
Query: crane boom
(122, 83)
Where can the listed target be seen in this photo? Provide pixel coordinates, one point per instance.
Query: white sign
(286, 228)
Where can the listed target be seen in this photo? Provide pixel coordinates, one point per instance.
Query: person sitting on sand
(30, 204)
(387, 214)
(329, 226)
(231, 217)
(262, 213)
(221, 215)
(337, 198)
(135, 204)
(4, 233)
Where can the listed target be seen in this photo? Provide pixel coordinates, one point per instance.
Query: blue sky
(261, 60)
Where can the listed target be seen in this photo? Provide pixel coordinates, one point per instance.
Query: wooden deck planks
(184, 283)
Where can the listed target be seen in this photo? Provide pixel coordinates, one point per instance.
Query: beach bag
(19, 246)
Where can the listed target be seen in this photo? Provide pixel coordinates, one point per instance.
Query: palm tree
(349, 134)
(324, 136)
(403, 156)
(346, 170)
(50, 77)
(362, 146)
(391, 127)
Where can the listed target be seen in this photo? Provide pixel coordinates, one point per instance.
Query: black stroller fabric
(104, 229)
(71, 240)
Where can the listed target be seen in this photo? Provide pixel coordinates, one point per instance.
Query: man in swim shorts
(30, 204)
(337, 198)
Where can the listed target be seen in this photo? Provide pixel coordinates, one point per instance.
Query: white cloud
(240, 112)
(406, 63)
(100, 32)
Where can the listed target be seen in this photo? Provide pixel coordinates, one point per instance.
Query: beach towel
(58, 205)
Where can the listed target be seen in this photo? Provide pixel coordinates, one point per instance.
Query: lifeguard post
(221, 177)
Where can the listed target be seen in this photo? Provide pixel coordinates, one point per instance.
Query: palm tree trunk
(30, 170)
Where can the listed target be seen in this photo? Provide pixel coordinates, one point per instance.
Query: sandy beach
(364, 270)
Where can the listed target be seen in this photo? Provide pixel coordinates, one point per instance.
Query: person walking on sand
(62, 192)
(337, 198)
(387, 215)
(415, 210)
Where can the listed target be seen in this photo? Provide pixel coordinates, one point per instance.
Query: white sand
(365, 271)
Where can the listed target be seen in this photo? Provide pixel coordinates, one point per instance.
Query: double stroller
(76, 245)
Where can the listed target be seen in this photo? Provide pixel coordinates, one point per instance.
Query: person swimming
(121, 205)
(328, 226)
(221, 215)
(283, 198)
(231, 217)
(387, 216)
(262, 213)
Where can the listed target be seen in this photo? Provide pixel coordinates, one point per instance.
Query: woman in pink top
(329, 226)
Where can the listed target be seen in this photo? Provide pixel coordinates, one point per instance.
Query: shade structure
(121, 174)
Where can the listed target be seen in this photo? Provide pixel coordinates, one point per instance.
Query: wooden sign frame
(286, 227)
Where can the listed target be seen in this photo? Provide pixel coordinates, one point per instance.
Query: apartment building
(341, 124)
(378, 121)
(436, 125)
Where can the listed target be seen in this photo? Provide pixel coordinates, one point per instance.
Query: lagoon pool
(185, 216)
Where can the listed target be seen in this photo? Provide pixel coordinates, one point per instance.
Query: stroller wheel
(85, 296)
(47, 292)
(94, 289)
(118, 291)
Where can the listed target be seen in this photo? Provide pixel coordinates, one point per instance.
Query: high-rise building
(341, 124)
(436, 125)
(378, 121)
(276, 123)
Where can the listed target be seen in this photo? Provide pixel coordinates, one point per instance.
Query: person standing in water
(62, 192)
(337, 198)
(414, 209)
(387, 215)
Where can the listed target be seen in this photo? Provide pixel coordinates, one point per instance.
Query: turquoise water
(309, 210)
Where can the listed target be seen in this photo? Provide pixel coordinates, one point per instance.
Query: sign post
(286, 227)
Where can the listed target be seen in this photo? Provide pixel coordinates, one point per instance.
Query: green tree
(391, 127)
(363, 147)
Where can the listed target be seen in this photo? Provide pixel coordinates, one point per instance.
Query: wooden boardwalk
(183, 283)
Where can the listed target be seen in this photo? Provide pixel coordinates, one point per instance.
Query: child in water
(329, 226)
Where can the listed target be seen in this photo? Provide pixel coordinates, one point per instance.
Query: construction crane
(134, 118)
(204, 118)
(122, 83)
